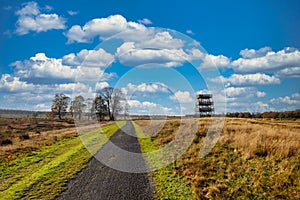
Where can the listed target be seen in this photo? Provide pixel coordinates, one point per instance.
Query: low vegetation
(168, 185)
(42, 171)
(253, 159)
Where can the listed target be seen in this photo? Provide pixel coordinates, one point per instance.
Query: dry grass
(262, 138)
(41, 131)
(253, 159)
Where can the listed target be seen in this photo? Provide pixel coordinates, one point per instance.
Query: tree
(78, 106)
(112, 98)
(126, 110)
(99, 107)
(60, 105)
(89, 107)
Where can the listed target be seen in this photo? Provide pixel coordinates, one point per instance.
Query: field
(253, 159)
(39, 165)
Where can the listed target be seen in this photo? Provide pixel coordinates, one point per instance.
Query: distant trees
(109, 102)
(60, 105)
(78, 105)
(273, 115)
(113, 98)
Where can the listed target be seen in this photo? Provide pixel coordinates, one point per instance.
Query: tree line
(108, 103)
(273, 115)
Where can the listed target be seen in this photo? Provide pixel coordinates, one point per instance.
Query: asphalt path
(97, 181)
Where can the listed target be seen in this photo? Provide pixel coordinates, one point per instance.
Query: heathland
(253, 158)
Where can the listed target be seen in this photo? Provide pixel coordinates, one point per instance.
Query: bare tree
(78, 106)
(60, 105)
(112, 98)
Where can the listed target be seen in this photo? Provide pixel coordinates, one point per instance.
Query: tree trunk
(108, 109)
(59, 113)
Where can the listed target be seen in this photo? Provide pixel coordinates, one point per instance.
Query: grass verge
(169, 184)
(43, 173)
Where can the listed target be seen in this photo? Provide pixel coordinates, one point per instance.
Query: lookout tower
(204, 105)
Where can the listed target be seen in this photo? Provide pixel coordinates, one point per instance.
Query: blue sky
(159, 53)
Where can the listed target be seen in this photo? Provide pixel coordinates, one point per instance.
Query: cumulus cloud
(182, 97)
(147, 107)
(244, 92)
(268, 61)
(31, 19)
(68, 67)
(101, 85)
(130, 55)
(252, 53)
(89, 58)
(103, 27)
(13, 84)
(145, 21)
(247, 79)
(142, 36)
(144, 87)
(210, 61)
(289, 72)
(294, 99)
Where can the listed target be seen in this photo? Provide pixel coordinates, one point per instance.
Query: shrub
(24, 137)
(6, 142)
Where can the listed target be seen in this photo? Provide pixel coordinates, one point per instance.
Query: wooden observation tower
(204, 105)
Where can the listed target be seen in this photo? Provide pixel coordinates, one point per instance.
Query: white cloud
(289, 72)
(147, 107)
(294, 99)
(161, 40)
(270, 62)
(252, 53)
(145, 21)
(286, 103)
(31, 19)
(260, 94)
(182, 97)
(144, 87)
(101, 85)
(260, 107)
(143, 37)
(40, 66)
(89, 58)
(247, 79)
(129, 55)
(72, 13)
(212, 61)
(190, 32)
(13, 84)
(103, 27)
(243, 92)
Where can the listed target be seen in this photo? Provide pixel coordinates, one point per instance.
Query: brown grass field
(253, 159)
(28, 134)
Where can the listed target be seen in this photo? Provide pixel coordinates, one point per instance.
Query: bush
(6, 142)
(24, 137)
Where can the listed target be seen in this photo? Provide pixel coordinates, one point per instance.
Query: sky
(160, 54)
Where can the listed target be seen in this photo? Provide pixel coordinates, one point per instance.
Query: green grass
(167, 184)
(43, 174)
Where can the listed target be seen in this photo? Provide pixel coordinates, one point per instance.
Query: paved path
(98, 181)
